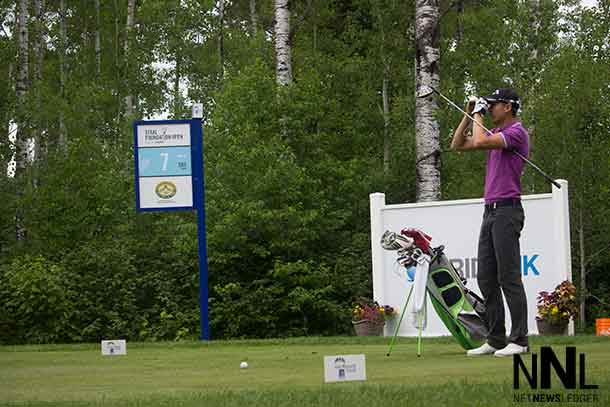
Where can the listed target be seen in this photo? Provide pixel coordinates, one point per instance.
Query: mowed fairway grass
(286, 372)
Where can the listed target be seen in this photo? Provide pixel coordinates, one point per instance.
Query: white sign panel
(164, 135)
(114, 347)
(163, 192)
(343, 368)
(545, 249)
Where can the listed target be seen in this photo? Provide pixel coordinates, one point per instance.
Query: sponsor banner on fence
(545, 248)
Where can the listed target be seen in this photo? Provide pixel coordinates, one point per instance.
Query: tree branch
(453, 4)
(591, 257)
(597, 298)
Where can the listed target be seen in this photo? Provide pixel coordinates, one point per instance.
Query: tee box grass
(281, 372)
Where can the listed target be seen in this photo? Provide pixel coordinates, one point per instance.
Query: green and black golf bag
(460, 309)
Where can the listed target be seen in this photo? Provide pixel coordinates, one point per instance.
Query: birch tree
(221, 50)
(22, 121)
(380, 11)
(282, 43)
(22, 87)
(62, 142)
(98, 42)
(283, 72)
(253, 17)
(427, 72)
(38, 48)
(131, 6)
(39, 39)
(387, 147)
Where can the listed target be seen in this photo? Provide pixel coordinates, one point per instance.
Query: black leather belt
(512, 202)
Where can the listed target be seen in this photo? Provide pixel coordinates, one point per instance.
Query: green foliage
(293, 299)
(288, 170)
(36, 304)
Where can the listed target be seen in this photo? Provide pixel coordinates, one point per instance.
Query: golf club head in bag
(404, 247)
(393, 241)
(460, 309)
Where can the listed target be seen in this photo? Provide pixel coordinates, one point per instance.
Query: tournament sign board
(169, 176)
(164, 165)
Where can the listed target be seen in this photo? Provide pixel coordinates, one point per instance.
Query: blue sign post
(169, 177)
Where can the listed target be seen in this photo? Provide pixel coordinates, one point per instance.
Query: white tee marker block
(114, 347)
(344, 368)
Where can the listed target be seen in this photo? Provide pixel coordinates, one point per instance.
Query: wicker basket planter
(548, 329)
(368, 328)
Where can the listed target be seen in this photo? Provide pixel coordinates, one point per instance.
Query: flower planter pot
(548, 329)
(368, 328)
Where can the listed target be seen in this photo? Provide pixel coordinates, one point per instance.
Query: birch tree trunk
(282, 43)
(283, 72)
(62, 142)
(386, 121)
(582, 286)
(21, 90)
(98, 42)
(39, 39)
(253, 17)
(427, 145)
(221, 45)
(177, 94)
(385, 97)
(37, 74)
(131, 6)
(6, 152)
(459, 32)
(533, 65)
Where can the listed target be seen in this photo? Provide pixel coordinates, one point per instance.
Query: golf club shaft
(545, 175)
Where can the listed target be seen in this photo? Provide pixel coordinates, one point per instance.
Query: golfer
(499, 258)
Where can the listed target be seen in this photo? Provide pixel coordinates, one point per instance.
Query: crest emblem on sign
(165, 190)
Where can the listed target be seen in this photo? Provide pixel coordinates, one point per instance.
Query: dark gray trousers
(499, 271)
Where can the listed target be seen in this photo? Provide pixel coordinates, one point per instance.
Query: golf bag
(460, 309)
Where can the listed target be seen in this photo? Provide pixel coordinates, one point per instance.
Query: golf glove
(480, 107)
(472, 100)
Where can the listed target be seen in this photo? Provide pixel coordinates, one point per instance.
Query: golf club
(428, 90)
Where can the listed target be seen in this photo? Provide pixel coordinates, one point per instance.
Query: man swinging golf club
(499, 266)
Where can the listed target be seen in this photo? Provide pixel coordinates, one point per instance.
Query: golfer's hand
(480, 107)
(470, 106)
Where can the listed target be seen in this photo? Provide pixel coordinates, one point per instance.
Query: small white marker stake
(344, 368)
(114, 347)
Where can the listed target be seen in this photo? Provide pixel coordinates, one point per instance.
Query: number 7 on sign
(165, 157)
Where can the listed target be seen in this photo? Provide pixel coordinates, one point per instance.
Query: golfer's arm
(482, 141)
(460, 142)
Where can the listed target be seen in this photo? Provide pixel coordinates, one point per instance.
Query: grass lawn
(283, 373)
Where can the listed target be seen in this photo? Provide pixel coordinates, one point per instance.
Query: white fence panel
(545, 248)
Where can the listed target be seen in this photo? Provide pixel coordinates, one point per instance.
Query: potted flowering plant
(368, 317)
(556, 308)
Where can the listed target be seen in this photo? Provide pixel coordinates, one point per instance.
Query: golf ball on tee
(243, 365)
